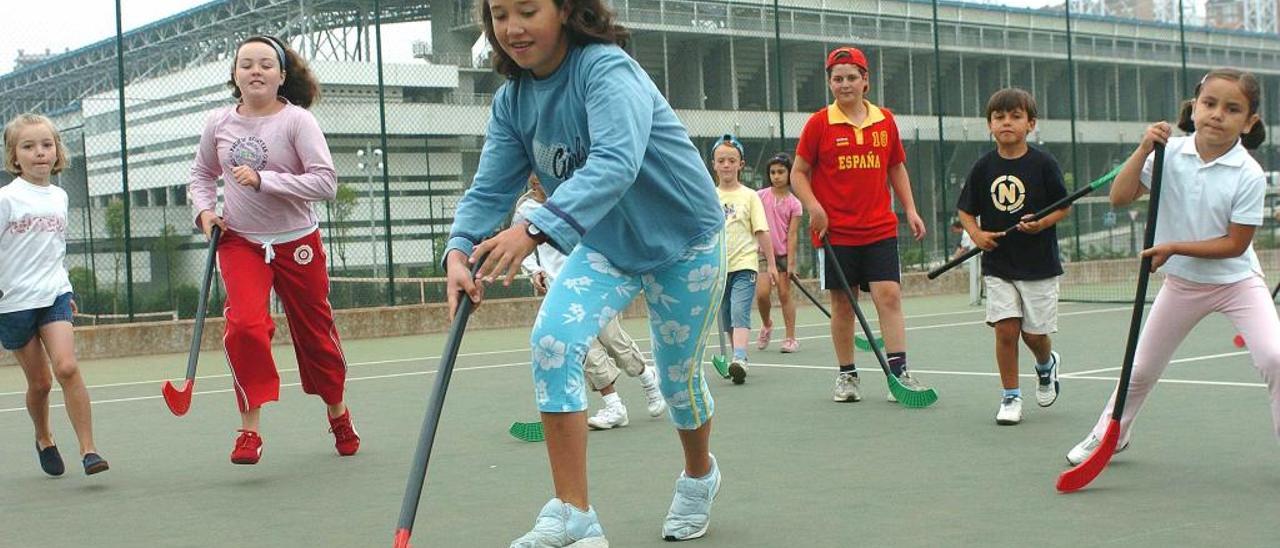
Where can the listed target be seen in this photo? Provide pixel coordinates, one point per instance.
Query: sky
(72, 24)
(60, 25)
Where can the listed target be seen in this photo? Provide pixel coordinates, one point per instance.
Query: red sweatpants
(297, 273)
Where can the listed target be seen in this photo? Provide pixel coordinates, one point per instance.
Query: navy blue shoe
(93, 463)
(50, 460)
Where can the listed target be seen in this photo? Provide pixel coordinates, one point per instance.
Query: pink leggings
(1179, 306)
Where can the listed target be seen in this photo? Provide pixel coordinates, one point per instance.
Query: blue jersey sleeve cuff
(562, 233)
(460, 243)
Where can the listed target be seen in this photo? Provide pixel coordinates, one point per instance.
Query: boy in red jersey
(846, 153)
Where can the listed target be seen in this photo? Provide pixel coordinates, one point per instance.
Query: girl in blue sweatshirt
(613, 159)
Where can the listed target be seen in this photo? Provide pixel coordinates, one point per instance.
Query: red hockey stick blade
(1084, 473)
(402, 538)
(178, 399)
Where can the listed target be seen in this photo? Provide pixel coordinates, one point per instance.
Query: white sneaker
(1010, 411)
(609, 416)
(909, 382)
(1047, 382)
(562, 525)
(1085, 448)
(846, 388)
(652, 394)
(690, 512)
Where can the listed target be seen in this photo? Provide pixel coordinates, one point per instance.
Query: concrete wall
(115, 341)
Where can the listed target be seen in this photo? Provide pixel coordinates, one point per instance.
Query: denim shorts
(19, 327)
(739, 292)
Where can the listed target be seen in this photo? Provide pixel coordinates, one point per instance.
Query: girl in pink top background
(783, 210)
(274, 162)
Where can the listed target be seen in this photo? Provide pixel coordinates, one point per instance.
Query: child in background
(965, 243)
(36, 303)
(847, 151)
(1211, 204)
(613, 346)
(747, 237)
(782, 210)
(1005, 188)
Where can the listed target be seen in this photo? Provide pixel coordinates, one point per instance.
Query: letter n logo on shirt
(1008, 194)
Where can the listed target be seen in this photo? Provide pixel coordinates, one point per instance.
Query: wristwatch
(536, 233)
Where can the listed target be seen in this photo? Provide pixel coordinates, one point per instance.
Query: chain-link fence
(405, 136)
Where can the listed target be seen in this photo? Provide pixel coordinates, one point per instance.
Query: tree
(115, 229)
(166, 246)
(344, 204)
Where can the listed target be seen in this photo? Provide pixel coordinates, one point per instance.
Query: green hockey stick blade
(915, 399)
(527, 431)
(861, 342)
(721, 364)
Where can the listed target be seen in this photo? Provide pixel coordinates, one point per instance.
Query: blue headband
(729, 139)
(277, 45)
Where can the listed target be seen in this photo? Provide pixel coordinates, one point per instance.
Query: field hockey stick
(721, 361)
(904, 395)
(858, 340)
(1239, 339)
(527, 431)
(179, 399)
(427, 437)
(1084, 473)
(1045, 212)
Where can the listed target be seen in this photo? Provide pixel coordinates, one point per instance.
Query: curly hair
(589, 22)
(300, 86)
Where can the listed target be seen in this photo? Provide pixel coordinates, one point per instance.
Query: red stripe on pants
(297, 273)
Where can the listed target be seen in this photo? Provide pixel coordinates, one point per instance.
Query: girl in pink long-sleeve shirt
(274, 161)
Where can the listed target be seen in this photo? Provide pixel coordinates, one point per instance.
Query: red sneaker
(248, 448)
(345, 438)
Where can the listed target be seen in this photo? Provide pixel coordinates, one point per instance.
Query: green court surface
(799, 470)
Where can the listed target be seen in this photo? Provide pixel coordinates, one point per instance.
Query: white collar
(1234, 157)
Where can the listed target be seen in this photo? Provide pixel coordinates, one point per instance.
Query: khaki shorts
(612, 352)
(1034, 301)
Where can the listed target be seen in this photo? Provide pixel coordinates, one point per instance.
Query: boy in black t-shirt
(1005, 188)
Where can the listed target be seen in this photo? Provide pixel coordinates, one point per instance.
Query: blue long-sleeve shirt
(621, 174)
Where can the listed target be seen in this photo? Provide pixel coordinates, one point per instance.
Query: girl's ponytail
(1255, 137)
(1184, 117)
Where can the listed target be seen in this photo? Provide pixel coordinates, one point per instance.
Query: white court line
(765, 365)
(978, 322)
(494, 352)
(1081, 374)
(290, 370)
(225, 390)
(468, 354)
(832, 368)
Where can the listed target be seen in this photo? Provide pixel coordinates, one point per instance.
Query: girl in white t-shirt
(35, 293)
(1211, 203)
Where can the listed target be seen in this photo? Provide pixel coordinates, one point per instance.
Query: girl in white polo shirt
(1211, 203)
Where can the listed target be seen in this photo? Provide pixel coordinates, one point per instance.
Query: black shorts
(862, 264)
(780, 260)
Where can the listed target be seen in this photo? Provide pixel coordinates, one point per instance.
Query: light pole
(369, 168)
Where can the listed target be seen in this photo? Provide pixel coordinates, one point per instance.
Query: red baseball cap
(846, 55)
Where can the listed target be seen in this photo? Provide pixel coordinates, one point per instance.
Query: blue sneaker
(690, 512)
(50, 460)
(94, 463)
(560, 525)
